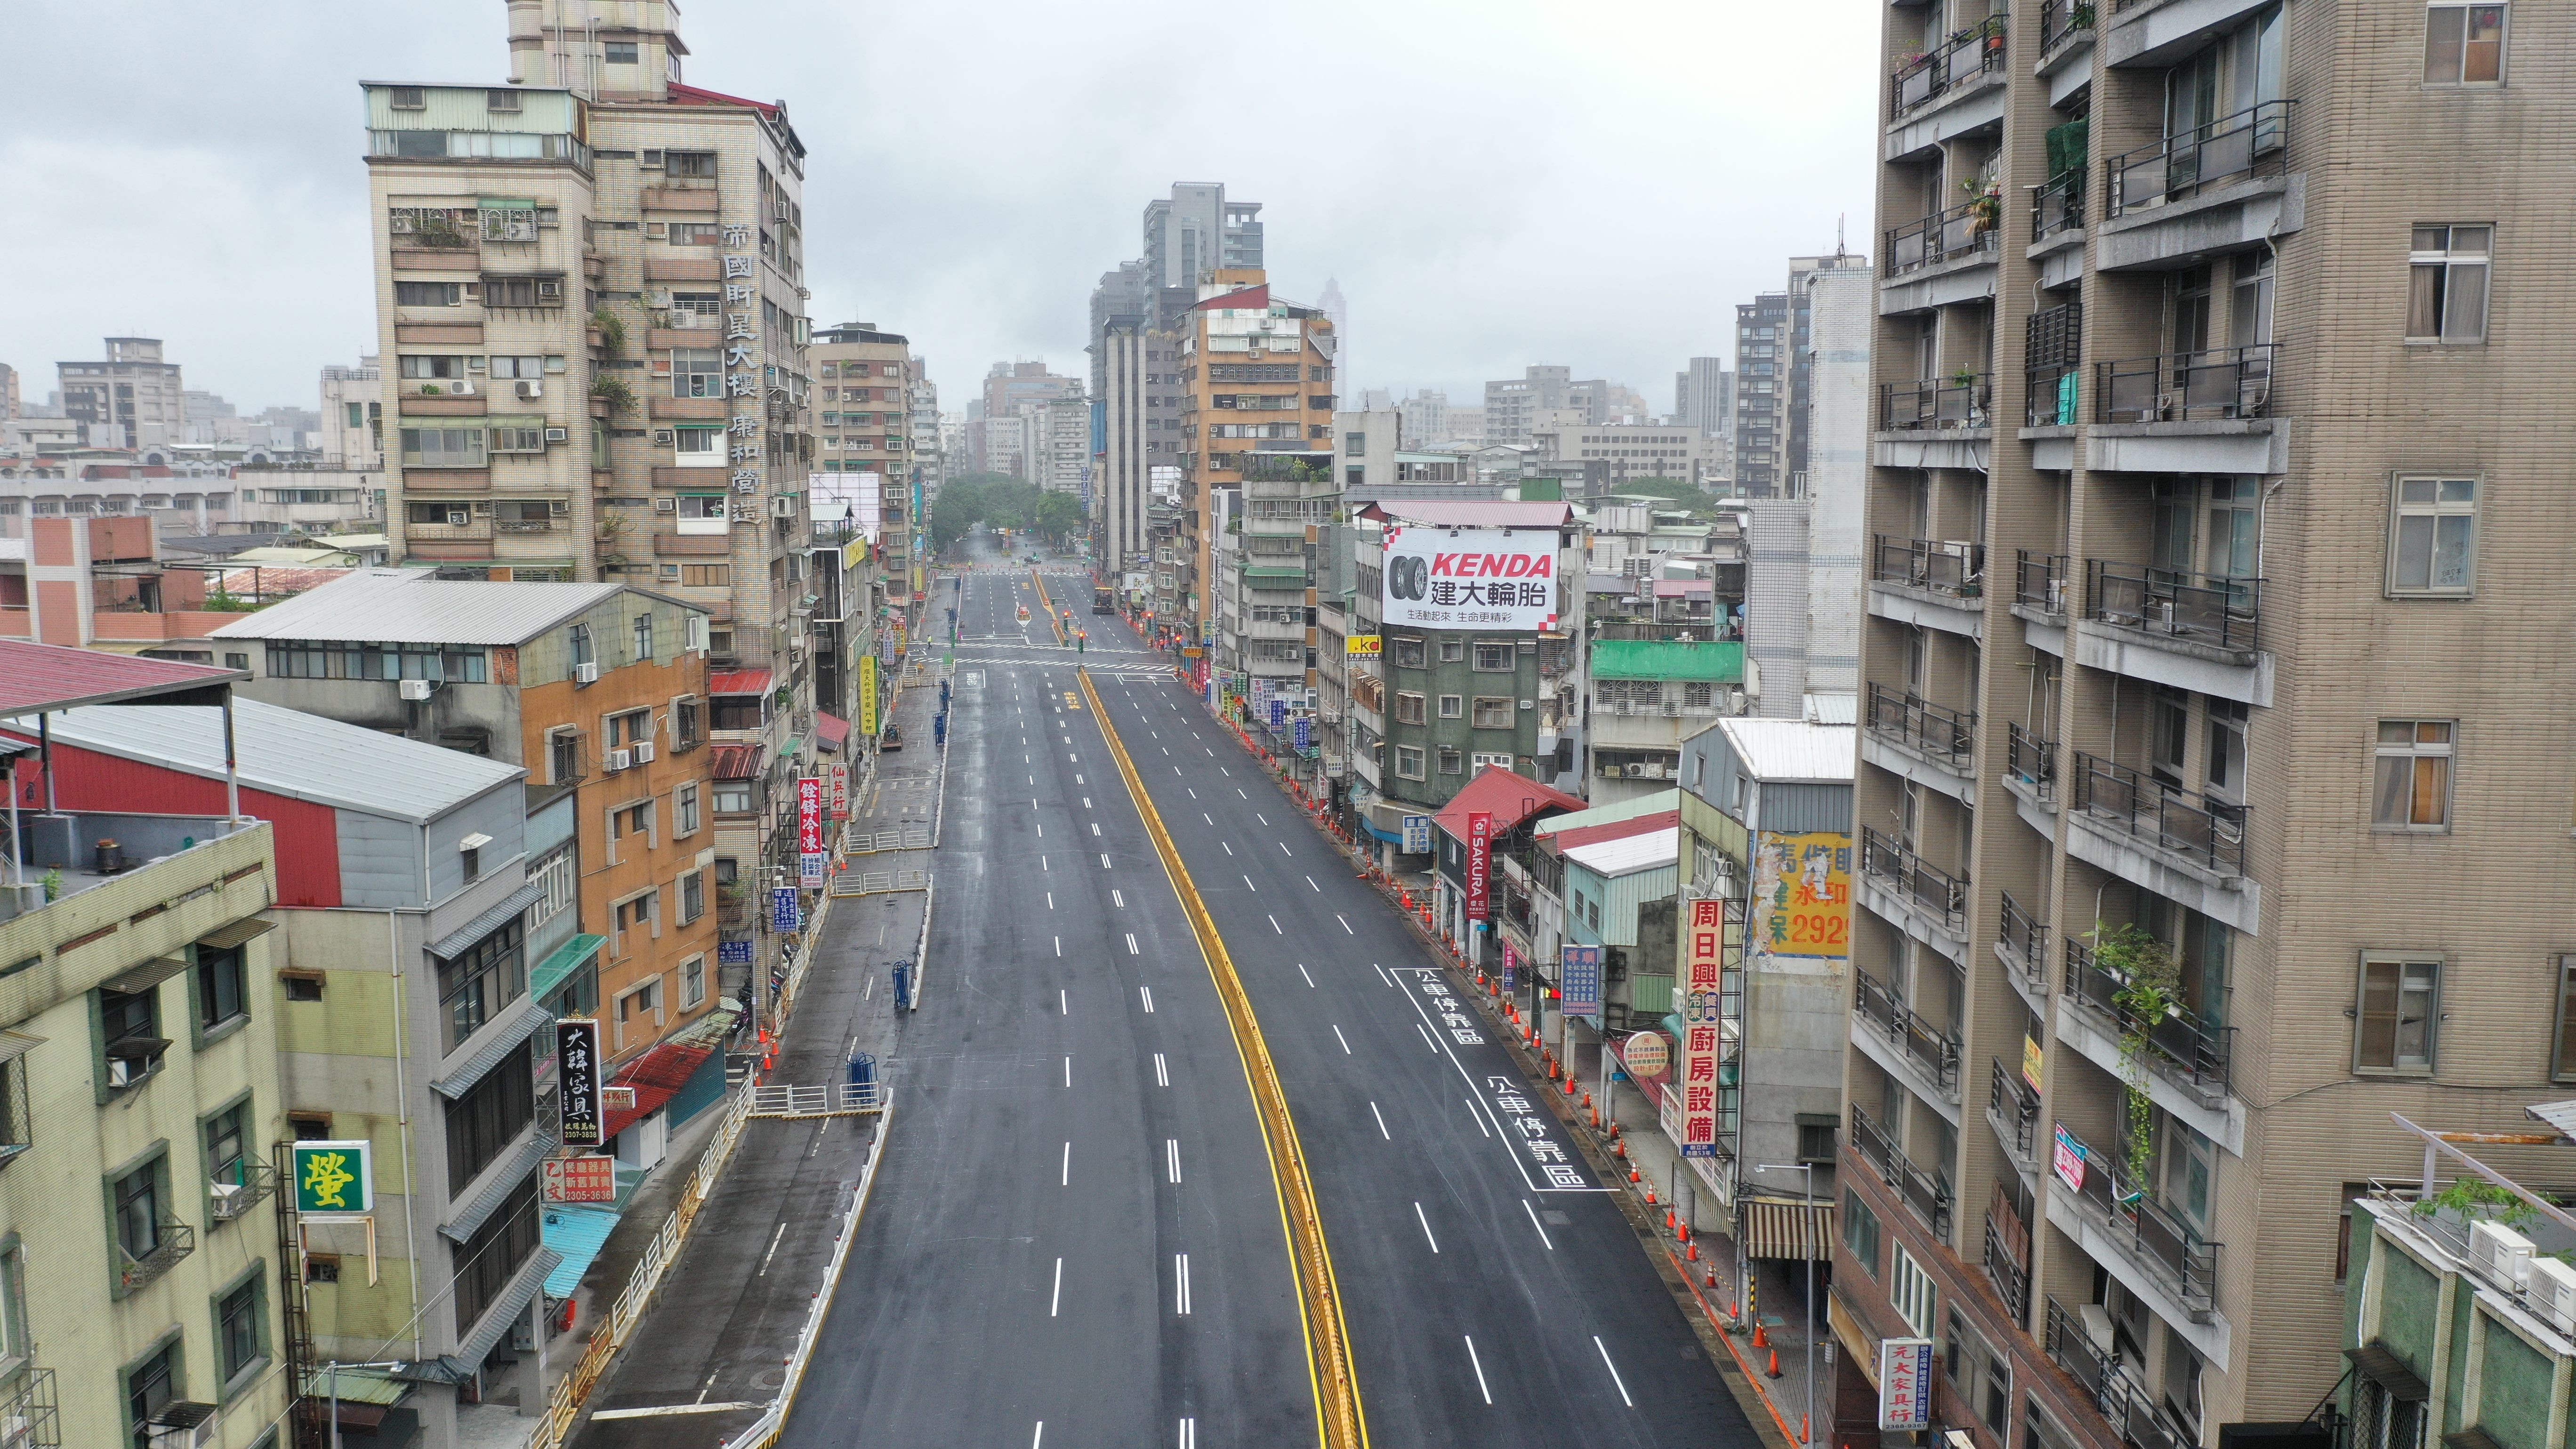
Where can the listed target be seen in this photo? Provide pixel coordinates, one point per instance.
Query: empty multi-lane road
(1077, 1238)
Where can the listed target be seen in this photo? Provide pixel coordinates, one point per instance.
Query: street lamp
(1807, 1193)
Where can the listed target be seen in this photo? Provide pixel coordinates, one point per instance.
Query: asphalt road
(1494, 1293)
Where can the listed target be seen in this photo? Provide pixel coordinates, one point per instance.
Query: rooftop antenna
(1839, 219)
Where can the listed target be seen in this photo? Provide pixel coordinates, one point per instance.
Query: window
(702, 513)
(698, 447)
(2463, 45)
(1492, 713)
(1910, 1289)
(228, 1144)
(2432, 536)
(485, 1263)
(237, 1329)
(1408, 652)
(697, 372)
(2226, 763)
(149, 1388)
(706, 576)
(1492, 658)
(522, 291)
(1453, 706)
(474, 987)
(1452, 650)
(1816, 1135)
(2413, 791)
(488, 1118)
(428, 294)
(564, 760)
(469, 862)
(642, 1002)
(2446, 296)
(619, 52)
(138, 1211)
(220, 994)
(523, 438)
(733, 799)
(693, 981)
(693, 896)
(309, 1126)
(689, 163)
(1408, 762)
(2393, 1030)
(635, 914)
(1452, 762)
(433, 367)
(443, 447)
(1861, 1233)
(631, 820)
(644, 641)
(2562, 1052)
(552, 875)
(684, 809)
(130, 1024)
(1408, 708)
(582, 653)
(694, 233)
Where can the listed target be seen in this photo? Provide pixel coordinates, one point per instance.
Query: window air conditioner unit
(620, 760)
(2500, 1255)
(650, 161)
(558, 435)
(657, 230)
(643, 752)
(415, 690)
(226, 1198)
(531, 387)
(784, 507)
(1634, 772)
(585, 673)
(2552, 1289)
(664, 438)
(462, 387)
(458, 518)
(548, 288)
(666, 505)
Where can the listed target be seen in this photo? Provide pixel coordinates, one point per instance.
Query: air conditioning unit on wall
(585, 673)
(643, 752)
(620, 760)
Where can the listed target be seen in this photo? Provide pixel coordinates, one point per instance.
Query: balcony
(1964, 231)
(2203, 835)
(1956, 401)
(2224, 383)
(1887, 864)
(2183, 1049)
(2012, 1109)
(29, 1418)
(2117, 1212)
(2213, 616)
(1932, 1052)
(2031, 762)
(2116, 1390)
(235, 1190)
(1968, 58)
(1944, 737)
(2061, 21)
(2225, 186)
(1926, 1194)
(2010, 1277)
(2021, 942)
(172, 1240)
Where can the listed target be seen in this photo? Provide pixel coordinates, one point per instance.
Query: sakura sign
(1471, 578)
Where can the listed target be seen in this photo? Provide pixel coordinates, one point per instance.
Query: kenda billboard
(1470, 578)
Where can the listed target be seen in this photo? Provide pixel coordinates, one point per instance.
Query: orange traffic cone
(1761, 1339)
(1774, 1370)
(1650, 1194)
(1690, 1250)
(1632, 1172)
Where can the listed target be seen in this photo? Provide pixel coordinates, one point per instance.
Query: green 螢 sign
(335, 1177)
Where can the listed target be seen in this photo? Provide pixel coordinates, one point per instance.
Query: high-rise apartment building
(1704, 398)
(1196, 231)
(1256, 401)
(866, 378)
(2212, 628)
(1062, 460)
(131, 390)
(1762, 355)
(10, 402)
(1431, 420)
(591, 328)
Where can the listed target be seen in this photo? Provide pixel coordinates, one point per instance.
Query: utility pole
(1807, 1170)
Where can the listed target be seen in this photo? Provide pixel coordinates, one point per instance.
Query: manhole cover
(770, 1378)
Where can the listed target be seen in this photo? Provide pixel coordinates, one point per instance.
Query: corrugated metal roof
(1511, 799)
(1472, 513)
(288, 752)
(37, 677)
(1833, 709)
(1647, 804)
(738, 681)
(1569, 841)
(1717, 660)
(457, 942)
(577, 1232)
(415, 606)
(1629, 853)
(1775, 751)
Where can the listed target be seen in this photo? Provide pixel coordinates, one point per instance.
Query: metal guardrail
(2057, 204)
(1933, 1051)
(2014, 1109)
(1927, 1195)
(1957, 569)
(2115, 1389)
(2031, 760)
(910, 837)
(2039, 580)
(873, 882)
(2022, 941)
(1964, 58)
(1967, 229)
(1892, 865)
(2249, 143)
(1904, 718)
(2010, 1278)
(2208, 832)
(829, 1099)
(2147, 1233)
(1936, 402)
(29, 1417)
(2063, 19)
(2183, 1049)
(2177, 387)
(2219, 610)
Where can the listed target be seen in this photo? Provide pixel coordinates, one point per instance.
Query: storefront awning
(567, 959)
(830, 732)
(577, 1231)
(1770, 1228)
(738, 681)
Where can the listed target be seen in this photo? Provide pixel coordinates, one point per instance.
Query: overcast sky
(1493, 182)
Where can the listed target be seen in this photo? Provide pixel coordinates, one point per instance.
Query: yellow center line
(1048, 604)
(1340, 1422)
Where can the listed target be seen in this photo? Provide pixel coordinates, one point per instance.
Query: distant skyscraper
(1338, 311)
(1198, 230)
(1704, 397)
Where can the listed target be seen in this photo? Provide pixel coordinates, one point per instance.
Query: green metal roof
(1720, 660)
(550, 973)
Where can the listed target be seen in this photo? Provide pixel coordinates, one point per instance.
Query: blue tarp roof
(578, 1232)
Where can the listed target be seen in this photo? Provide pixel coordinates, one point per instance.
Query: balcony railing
(2116, 1391)
(2208, 832)
(1933, 1051)
(2219, 610)
(1954, 567)
(1965, 230)
(2148, 1234)
(2031, 760)
(2021, 939)
(2063, 19)
(172, 1240)
(1898, 869)
(28, 1414)
(1962, 59)
(2182, 1048)
(2014, 1109)
(2177, 387)
(237, 1189)
(2057, 205)
(2250, 143)
(1906, 719)
(1956, 401)
(2010, 1275)
(2056, 395)
(2039, 580)
(1925, 1193)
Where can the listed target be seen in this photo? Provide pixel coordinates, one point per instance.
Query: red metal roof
(830, 730)
(736, 762)
(701, 96)
(1250, 299)
(1511, 798)
(657, 1077)
(738, 681)
(48, 676)
(1583, 835)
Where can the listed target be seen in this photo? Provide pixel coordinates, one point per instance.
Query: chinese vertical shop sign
(1704, 950)
(809, 831)
(577, 1065)
(1480, 864)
